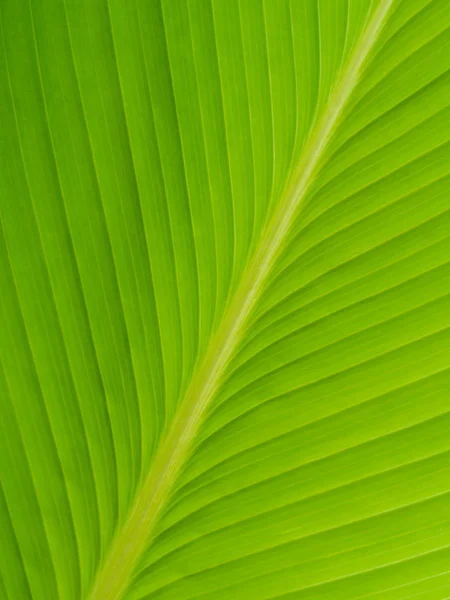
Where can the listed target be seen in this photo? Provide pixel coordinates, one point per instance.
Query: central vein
(132, 539)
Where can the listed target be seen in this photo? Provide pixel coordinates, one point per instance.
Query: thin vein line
(355, 334)
(192, 490)
(310, 385)
(366, 495)
(202, 142)
(365, 572)
(166, 215)
(33, 484)
(93, 529)
(228, 176)
(381, 123)
(314, 561)
(376, 183)
(140, 226)
(250, 121)
(341, 452)
(192, 240)
(68, 496)
(134, 458)
(97, 183)
(330, 530)
(322, 558)
(404, 283)
(309, 304)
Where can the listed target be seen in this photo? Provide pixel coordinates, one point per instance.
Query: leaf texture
(225, 308)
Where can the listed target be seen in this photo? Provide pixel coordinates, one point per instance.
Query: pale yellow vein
(132, 539)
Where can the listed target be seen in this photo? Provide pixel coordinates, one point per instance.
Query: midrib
(131, 540)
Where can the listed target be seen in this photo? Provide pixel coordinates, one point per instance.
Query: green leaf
(225, 304)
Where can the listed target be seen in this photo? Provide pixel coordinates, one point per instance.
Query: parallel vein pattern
(130, 542)
(224, 322)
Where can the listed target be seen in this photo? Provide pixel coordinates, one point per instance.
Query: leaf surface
(225, 309)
